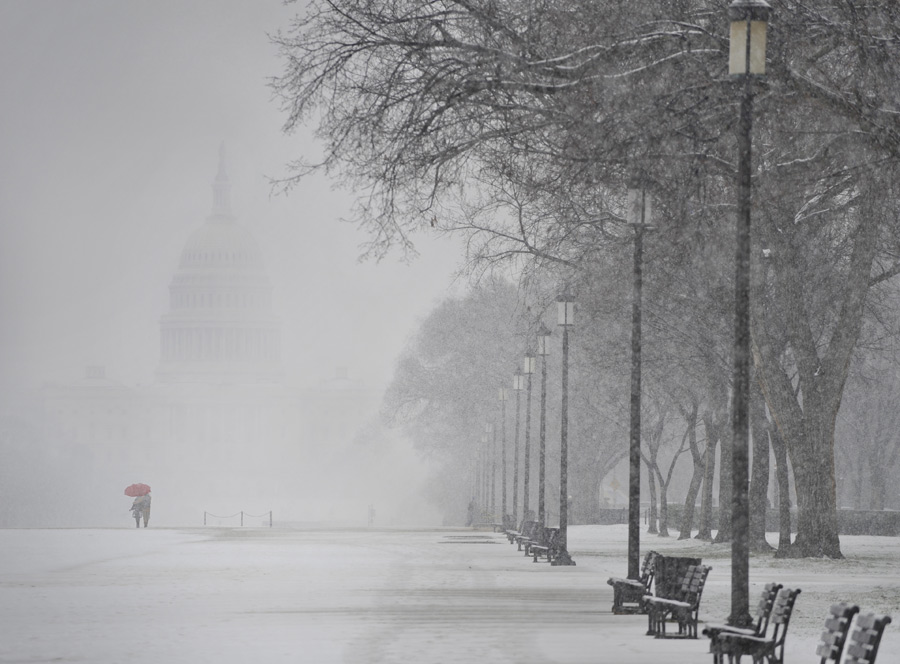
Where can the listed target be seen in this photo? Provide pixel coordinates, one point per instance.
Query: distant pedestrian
(140, 508)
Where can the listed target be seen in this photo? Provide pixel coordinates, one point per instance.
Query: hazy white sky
(111, 115)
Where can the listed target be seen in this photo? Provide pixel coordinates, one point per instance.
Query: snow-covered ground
(318, 596)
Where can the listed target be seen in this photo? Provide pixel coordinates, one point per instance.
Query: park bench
(528, 533)
(506, 524)
(629, 593)
(535, 536)
(513, 531)
(684, 608)
(523, 529)
(547, 546)
(763, 613)
(763, 648)
(866, 638)
(668, 576)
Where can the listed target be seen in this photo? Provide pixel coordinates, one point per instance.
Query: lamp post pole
(529, 371)
(485, 469)
(566, 312)
(639, 216)
(489, 428)
(517, 386)
(543, 339)
(503, 399)
(747, 57)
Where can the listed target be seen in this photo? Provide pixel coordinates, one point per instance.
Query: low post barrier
(240, 514)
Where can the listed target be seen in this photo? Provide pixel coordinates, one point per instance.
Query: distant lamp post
(485, 469)
(566, 318)
(489, 431)
(639, 214)
(747, 58)
(528, 368)
(518, 384)
(503, 395)
(543, 349)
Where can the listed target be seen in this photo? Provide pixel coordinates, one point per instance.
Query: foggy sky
(111, 116)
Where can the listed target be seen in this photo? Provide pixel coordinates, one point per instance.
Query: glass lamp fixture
(747, 53)
(565, 307)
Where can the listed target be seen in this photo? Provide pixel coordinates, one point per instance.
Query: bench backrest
(692, 586)
(781, 618)
(648, 569)
(764, 607)
(670, 574)
(528, 528)
(542, 535)
(866, 638)
(837, 627)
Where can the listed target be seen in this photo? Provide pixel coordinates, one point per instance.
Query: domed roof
(220, 326)
(221, 243)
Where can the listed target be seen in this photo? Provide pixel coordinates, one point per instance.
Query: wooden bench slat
(865, 637)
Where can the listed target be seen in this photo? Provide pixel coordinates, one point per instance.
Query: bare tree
(416, 99)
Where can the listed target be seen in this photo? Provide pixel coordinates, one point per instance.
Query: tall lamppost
(747, 58)
(518, 384)
(566, 318)
(492, 486)
(528, 370)
(639, 213)
(504, 397)
(476, 490)
(543, 340)
(485, 469)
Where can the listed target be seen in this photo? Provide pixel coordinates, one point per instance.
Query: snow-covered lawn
(313, 596)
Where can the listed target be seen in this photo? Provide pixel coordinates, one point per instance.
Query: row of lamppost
(747, 58)
(487, 467)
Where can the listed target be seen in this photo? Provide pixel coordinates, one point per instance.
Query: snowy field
(232, 595)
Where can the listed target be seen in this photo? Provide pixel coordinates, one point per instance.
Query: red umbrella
(136, 490)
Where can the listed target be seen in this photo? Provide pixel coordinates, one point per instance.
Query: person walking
(140, 508)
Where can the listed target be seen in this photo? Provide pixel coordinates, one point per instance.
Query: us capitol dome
(220, 326)
(221, 428)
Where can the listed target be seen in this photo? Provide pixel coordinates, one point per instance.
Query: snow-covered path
(226, 595)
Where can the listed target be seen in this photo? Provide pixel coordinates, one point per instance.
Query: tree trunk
(784, 494)
(812, 459)
(663, 510)
(859, 479)
(724, 532)
(706, 500)
(699, 467)
(587, 500)
(651, 476)
(759, 479)
(877, 480)
(690, 500)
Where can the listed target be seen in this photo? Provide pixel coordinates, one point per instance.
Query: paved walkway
(311, 597)
(370, 596)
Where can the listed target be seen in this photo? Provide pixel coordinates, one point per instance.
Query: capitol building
(219, 428)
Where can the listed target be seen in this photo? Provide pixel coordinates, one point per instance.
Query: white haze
(111, 117)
